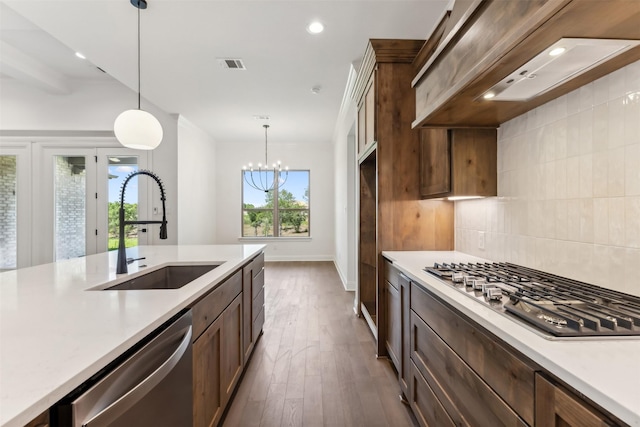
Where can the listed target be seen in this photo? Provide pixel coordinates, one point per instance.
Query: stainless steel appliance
(555, 305)
(151, 387)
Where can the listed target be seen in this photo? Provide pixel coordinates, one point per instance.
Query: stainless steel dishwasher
(152, 387)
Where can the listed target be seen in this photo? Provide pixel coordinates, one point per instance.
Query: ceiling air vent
(565, 59)
(231, 63)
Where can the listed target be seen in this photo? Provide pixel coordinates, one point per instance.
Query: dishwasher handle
(131, 397)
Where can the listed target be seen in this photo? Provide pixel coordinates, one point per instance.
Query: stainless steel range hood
(560, 62)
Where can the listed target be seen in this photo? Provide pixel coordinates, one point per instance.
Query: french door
(72, 194)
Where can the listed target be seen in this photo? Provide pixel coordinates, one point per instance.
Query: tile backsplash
(568, 188)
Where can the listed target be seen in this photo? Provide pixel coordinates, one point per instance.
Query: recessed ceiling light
(315, 27)
(489, 95)
(557, 51)
(81, 56)
(316, 89)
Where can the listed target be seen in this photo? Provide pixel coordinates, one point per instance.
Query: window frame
(275, 210)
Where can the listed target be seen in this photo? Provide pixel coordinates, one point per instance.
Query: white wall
(568, 187)
(345, 183)
(318, 158)
(196, 185)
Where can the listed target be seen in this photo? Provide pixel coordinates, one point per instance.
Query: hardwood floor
(315, 364)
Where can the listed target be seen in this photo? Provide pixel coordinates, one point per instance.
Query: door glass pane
(119, 168)
(8, 213)
(70, 207)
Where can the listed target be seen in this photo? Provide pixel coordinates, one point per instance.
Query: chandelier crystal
(259, 178)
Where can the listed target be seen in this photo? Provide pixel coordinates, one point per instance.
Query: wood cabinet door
(435, 162)
(232, 361)
(405, 336)
(247, 319)
(556, 407)
(208, 402)
(394, 325)
(370, 111)
(362, 128)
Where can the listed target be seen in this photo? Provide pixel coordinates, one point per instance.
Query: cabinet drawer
(258, 283)
(258, 264)
(213, 304)
(510, 376)
(426, 406)
(257, 324)
(465, 396)
(391, 273)
(258, 303)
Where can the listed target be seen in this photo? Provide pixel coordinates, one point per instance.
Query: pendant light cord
(266, 164)
(138, 58)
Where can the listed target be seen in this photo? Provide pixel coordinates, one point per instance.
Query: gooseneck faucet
(121, 266)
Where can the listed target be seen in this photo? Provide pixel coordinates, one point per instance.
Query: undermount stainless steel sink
(170, 277)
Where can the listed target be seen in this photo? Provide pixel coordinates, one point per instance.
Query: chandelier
(259, 178)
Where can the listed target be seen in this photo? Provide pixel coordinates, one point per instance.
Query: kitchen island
(57, 328)
(603, 370)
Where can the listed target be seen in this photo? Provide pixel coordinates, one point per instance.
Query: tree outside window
(286, 206)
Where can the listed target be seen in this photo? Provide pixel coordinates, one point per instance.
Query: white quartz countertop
(55, 334)
(607, 371)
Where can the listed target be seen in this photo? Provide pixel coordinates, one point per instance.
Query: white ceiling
(181, 40)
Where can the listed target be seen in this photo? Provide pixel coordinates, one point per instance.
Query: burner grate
(557, 305)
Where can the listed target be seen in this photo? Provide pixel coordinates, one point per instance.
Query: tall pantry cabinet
(391, 215)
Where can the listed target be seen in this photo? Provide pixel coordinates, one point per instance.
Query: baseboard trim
(278, 258)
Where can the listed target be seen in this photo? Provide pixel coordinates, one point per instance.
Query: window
(287, 205)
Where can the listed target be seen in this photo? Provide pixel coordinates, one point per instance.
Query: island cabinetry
(397, 287)
(217, 350)
(558, 407)
(253, 302)
(458, 162)
(476, 379)
(391, 214)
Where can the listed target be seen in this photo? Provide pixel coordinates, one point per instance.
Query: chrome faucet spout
(121, 266)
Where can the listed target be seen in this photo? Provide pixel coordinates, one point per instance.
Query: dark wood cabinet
(558, 407)
(458, 162)
(207, 376)
(222, 324)
(367, 116)
(392, 215)
(253, 303)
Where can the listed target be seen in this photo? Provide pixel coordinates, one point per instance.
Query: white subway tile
(632, 222)
(601, 221)
(631, 262)
(561, 220)
(600, 174)
(616, 122)
(573, 220)
(632, 77)
(617, 84)
(601, 91)
(632, 170)
(586, 175)
(615, 172)
(573, 102)
(560, 132)
(586, 220)
(561, 179)
(616, 221)
(632, 118)
(573, 135)
(573, 177)
(600, 137)
(586, 97)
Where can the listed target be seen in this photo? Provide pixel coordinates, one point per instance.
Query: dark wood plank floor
(315, 364)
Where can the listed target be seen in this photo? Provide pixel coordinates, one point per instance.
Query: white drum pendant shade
(138, 129)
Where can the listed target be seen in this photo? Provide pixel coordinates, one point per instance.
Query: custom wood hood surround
(493, 38)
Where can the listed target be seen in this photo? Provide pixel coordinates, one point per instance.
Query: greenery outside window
(287, 205)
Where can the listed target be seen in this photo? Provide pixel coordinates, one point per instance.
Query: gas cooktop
(552, 304)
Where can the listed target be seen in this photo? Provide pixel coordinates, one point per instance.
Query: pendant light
(259, 178)
(138, 129)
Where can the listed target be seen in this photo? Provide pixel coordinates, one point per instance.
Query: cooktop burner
(556, 305)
